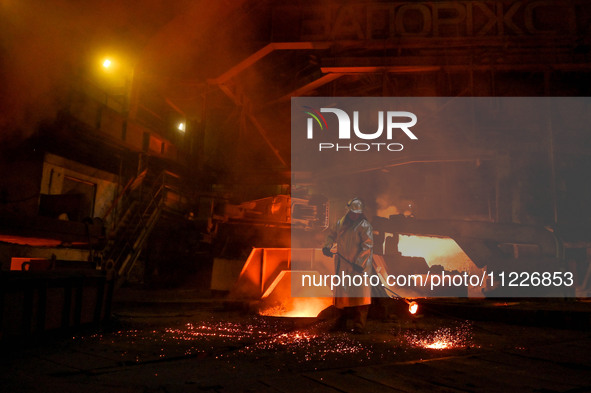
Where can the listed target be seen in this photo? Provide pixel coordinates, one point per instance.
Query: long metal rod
(385, 287)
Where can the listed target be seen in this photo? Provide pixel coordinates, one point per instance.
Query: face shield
(355, 205)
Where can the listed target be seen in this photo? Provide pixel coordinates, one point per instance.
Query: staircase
(141, 203)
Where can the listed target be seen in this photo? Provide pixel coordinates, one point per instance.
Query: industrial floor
(202, 346)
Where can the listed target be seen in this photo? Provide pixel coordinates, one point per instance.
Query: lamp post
(116, 79)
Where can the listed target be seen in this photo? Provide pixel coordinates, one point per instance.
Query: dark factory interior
(156, 209)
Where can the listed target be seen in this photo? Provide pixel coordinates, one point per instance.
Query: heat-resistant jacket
(354, 240)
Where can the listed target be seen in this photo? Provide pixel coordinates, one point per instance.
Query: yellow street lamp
(113, 76)
(107, 63)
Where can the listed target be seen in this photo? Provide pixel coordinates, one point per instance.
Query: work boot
(340, 324)
(359, 318)
(358, 330)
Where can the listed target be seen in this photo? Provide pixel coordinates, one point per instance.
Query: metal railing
(134, 226)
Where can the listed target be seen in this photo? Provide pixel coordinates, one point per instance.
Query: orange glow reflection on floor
(298, 308)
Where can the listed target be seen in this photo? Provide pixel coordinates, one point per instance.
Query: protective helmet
(355, 205)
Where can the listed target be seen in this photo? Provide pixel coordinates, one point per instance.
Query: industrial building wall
(19, 183)
(62, 177)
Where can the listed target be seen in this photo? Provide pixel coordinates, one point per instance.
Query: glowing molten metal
(443, 251)
(413, 307)
(298, 307)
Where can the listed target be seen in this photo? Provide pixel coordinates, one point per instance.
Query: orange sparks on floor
(443, 338)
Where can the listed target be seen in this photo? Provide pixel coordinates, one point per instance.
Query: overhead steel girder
(222, 80)
(254, 121)
(263, 52)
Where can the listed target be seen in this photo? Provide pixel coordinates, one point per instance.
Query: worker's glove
(326, 251)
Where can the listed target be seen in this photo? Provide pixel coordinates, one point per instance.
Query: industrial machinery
(233, 229)
(266, 276)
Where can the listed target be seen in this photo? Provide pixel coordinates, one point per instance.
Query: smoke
(46, 45)
(34, 55)
(385, 208)
(392, 203)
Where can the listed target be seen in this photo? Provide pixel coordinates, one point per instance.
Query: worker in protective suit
(353, 238)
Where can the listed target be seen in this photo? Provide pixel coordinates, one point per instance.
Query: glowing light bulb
(107, 63)
(181, 127)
